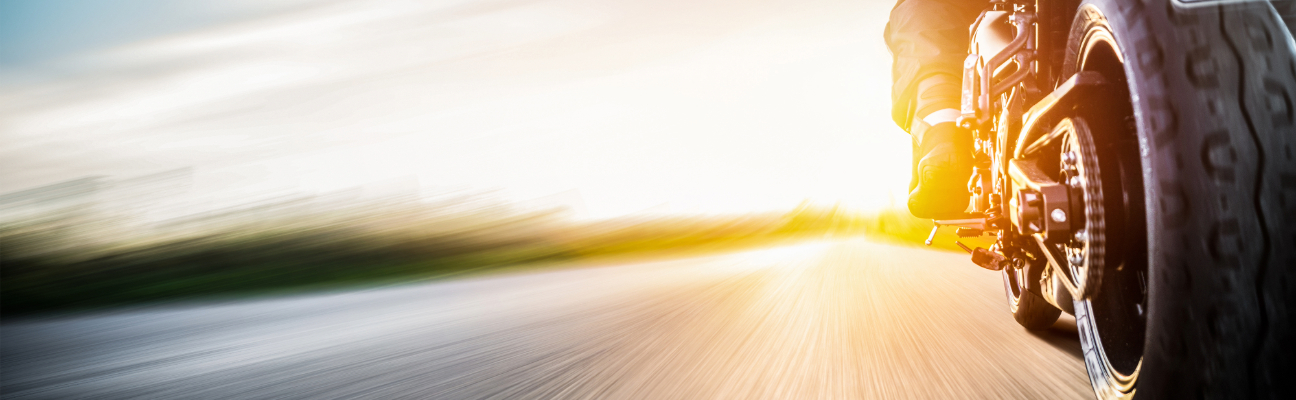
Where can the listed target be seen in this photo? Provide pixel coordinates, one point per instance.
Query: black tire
(1212, 87)
(1029, 309)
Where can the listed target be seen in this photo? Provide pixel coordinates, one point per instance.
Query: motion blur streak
(846, 319)
(710, 106)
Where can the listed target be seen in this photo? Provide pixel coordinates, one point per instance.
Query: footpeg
(988, 259)
(966, 227)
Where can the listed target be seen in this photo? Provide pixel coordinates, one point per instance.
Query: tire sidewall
(1199, 167)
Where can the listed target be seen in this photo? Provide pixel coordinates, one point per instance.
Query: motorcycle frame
(995, 89)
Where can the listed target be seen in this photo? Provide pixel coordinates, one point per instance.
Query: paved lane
(849, 319)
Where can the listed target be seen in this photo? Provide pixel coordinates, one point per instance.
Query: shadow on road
(1063, 336)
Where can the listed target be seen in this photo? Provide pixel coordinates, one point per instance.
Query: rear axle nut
(1058, 215)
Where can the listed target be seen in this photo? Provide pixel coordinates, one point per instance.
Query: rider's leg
(928, 39)
(942, 160)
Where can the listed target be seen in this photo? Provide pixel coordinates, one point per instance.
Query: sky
(615, 106)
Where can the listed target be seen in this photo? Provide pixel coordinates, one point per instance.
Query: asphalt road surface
(829, 320)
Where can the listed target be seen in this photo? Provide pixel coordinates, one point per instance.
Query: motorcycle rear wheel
(1209, 87)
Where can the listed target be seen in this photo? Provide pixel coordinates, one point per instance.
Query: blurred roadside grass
(73, 259)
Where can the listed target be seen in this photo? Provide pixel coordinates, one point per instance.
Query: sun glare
(730, 117)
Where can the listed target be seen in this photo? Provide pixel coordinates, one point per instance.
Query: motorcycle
(1135, 162)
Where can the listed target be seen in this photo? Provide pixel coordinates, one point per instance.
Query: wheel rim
(1113, 321)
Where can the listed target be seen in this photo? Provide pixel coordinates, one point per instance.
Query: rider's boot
(942, 160)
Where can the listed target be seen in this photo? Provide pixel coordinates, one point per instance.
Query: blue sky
(32, 31)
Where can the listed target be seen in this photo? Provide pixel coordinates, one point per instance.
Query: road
(827, 320)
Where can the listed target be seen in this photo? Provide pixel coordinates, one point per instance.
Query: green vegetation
(70, 259)
(78, 257)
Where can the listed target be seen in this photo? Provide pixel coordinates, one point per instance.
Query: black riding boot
(942, 166)
(942, 160)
